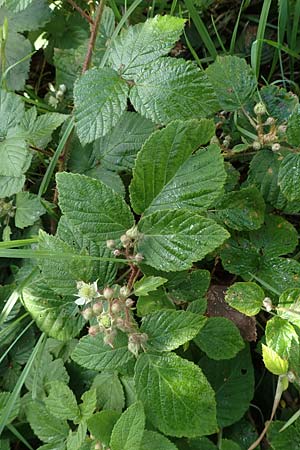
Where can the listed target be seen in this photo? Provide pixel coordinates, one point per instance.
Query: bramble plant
(149, 211)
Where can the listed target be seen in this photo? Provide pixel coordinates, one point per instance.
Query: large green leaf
(28, 209)
(280, 273)
(127, 433)
(168, 176)
(53, 314)
(245, 297)
(288, 177)
(168, 330)
(101, 424)
(92, 207)
(61, 402)
(100, 98)
(33, 17)
(47, 427)
(280, 103)
(11, 111)
(233, 81)
(92, 353)
(287, 439)
(167, 379)
(143, 43)
(240, 256)
(172, 240)
(219, 338)
(109, 391)
(17, 5)
(117, 149)
(188, 285)
(292, 131)
(169, 89)
(281, 336)
(241, 210)
(233, 382)
(17, 47)
(154, 441)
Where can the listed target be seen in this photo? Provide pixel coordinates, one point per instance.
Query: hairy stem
(81, 12)
(93, 36)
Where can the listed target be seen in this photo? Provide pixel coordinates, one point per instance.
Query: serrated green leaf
(188, 286)
(280, 273)
(154, 441)
(143, 43)
(101, 425)
(167, 379)
(148, 284)
(198, 306)
(281, 336)
(172, 240)
(240, 257)
(276, 237)
(117, 149)
(46, 427)
(92, 207)
(61, 275)
(166, 174)
(33, 17)
(17, 5)
(279, 102)
(233, 382)
(292, 131)
(76, 439)
(39, 131)
(245, 297)
(233, 81)
(109, 391)
(160, 88)
(53, 314)
(241, 210)
(219, 338)
(4, 399)
(289, 306)
(289, 438)
(155, 301)
(167, 330)
(201, 444)
(61, 402)
(288, 177)
(263, 173)
(28, 209)
(17, 47)
(100, 98)
(11, 111)
(89, 403)
(92, 353)
(273, 362)
(127, 433)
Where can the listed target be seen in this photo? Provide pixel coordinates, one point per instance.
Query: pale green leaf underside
(168, 176)
(128, 432)
(173, 240)
(92, 207)
(144, 43)
(92, 353)
(172, 390)
(233, 81)
(100, 98)
(167, 330)
(170, 89)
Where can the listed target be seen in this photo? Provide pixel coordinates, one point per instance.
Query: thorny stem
(81, 12)
(40, 150)
(93, 36)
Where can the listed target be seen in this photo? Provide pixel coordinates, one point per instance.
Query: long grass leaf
(256, 49)
(16, 340)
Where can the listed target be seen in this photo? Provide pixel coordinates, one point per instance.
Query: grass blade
(256, 49)
(16, 340)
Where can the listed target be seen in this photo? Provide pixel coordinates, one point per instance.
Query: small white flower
(87, 292)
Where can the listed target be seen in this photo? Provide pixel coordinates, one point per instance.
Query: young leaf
(143, 43)
(92, 353)
(167, 175)
(89, 403)
(28, 209)
(233, 81)
(127, 433)
(167, 379)
(92, 207)
(154, 441)
(288, 177)
(161, 86)
(100, 97)
(172, 240)
(241, 210)
(289, 306)
(273, 362)
(233, 382)
(76, 439)
(109, 391)
(245, 297)
(61, 402)
(219, 338)
(101, 425)
(281, 336)
(155, 301)
(47, 427)
(167, 330)
(148, 284)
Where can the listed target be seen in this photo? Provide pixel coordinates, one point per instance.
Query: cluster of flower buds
(268, 132)
(110, 311)
(126, 245)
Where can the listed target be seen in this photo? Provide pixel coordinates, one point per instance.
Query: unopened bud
(138, 257)
(260, 109)
(111, 244)
(120, 324)
(116, 308)
(98, 446)
(87, 313)
(282, 128)
(124, 292)
(97, 308)
(129, 303)
(256, 145)
(276, 147)
(133, 232)
(291, 376)
(93, 330)
(125, 240)
(108, 293)
(270, 121)
(117, 252)
(267, 303)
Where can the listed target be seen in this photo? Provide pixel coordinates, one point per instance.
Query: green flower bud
(97, 308)
(87, 313)
(111, 244)
(133, 232)
(276, 147)
(108, 293)
(124, 292)
(256, 145)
